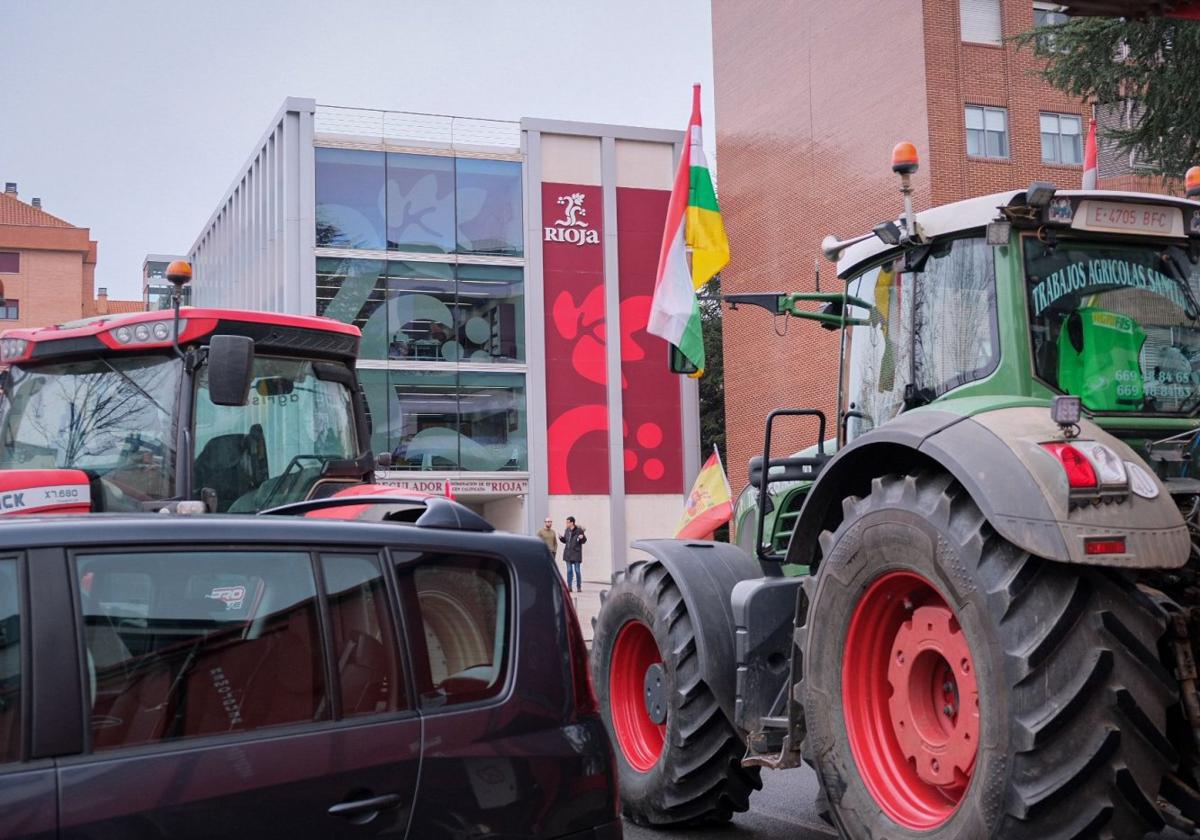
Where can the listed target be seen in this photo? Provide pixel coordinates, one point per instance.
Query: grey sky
(132, 117)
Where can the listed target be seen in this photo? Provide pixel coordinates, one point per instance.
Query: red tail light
(1080, 474)
(1104, 545)
(581, 672)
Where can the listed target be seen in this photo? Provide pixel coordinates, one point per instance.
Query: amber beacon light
(904, 158)
(179, 271)
(1191, 182)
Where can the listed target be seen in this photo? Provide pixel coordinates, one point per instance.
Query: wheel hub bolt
(949, 710)
(948, 687)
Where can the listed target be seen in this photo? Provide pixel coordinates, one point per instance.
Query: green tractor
(974, 606)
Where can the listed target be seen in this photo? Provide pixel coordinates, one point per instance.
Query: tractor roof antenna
(179, 274)
(904, 163)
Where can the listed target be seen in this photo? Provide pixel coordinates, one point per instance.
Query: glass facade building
(501, 274)
(443, 346)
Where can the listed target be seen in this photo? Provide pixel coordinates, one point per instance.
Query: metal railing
(401, 128)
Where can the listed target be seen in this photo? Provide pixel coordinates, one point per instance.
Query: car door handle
(358, 807)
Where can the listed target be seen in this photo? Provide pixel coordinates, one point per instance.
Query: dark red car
(211, 676)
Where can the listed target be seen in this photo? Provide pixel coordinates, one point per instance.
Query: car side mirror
(230, 368)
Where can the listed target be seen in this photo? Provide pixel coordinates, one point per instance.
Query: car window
(10, 664)
(182, 644)
(364, 643)
(463, 606)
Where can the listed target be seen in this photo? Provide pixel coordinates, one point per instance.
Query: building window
(10, 262)
(1045, 15)
(979, 21)
(350, 199)
(418, 203)
(448, 420)
(987, 132)
(427, 311)
(1062, 140)
(1048, 14)
(488, 206)
(10, 309)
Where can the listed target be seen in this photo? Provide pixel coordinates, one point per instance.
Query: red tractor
(218, 410)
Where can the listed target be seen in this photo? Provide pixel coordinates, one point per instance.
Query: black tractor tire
(698, 776)
(1072, 696)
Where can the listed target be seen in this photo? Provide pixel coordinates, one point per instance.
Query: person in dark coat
(573, 539)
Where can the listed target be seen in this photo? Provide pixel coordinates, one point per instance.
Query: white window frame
(1059, 135)
(1005, 150)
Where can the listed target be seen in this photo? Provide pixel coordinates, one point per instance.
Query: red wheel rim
(910, 699)
(640, 738)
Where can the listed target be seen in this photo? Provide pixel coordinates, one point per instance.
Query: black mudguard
(706, 573)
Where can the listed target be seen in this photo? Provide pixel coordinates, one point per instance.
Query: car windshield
(1117, 325)
(271, 451)
(112, 417)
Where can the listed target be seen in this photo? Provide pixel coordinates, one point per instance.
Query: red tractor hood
(44, 491)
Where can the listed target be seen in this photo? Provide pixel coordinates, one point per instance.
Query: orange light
(179, 271)
(904, 158)
(1191, 182)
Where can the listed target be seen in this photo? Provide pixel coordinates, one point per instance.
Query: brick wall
(958, 74)
(55, 282)
(810, 98)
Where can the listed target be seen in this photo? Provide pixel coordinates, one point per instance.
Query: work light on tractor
(973, 604)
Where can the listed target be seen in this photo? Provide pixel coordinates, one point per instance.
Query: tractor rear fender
(1020, 488)
(706, 573)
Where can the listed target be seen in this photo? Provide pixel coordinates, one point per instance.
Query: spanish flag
(709, 505)
(693, 222)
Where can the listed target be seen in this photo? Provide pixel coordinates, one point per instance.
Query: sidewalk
(587, 606)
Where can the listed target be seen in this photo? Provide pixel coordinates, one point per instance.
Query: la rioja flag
(693, 221)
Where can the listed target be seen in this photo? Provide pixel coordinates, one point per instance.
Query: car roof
(181, 533)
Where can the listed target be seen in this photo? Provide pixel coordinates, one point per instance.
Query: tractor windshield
(930, 329)
(111, 417)
(1117, 325)
(271, 451)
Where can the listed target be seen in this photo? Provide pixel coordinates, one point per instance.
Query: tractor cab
(1016, 297)
(235, 411)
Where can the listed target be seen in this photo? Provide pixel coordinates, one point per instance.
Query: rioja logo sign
(571, 228)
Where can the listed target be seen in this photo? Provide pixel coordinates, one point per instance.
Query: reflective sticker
(233, 596)
(1141, 481)
(35, 498)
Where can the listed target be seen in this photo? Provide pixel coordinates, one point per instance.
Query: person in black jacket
(573, 539)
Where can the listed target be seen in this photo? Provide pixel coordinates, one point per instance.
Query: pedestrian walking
(549, 537)
(573, 539)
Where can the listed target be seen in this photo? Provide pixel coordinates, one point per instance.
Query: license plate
(1123, 217)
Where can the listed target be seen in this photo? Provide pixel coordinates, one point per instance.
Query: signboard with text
(460, 486)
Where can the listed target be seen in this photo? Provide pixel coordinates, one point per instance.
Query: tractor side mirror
(230, 366)
(679, 362)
